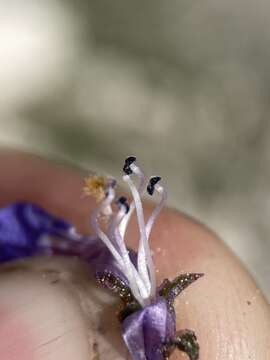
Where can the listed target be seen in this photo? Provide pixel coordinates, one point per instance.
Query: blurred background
(184, 85)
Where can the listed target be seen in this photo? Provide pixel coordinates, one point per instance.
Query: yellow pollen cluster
(95, 186)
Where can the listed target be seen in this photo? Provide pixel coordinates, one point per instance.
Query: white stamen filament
(141, 278)
(136, 284)
(142, 184)
(160, 189)
(105, 205)
(150, 224)
(144, 256)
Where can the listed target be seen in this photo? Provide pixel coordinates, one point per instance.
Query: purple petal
(21, 225)
(147, 330)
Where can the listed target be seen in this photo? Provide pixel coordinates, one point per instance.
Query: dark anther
(130, 160)
(123, 202)
(152, 183)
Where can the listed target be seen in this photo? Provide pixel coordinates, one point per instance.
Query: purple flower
(147, 314)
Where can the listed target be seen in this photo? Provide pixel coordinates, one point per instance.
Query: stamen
(105, 208)
(117, 220)
(142, 183)
(94, 221)
(158, 208)
(135, 282)
(141, 278)
(144, 262)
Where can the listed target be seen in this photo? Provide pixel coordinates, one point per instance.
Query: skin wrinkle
(82, 288)
(71, 327)
(79, 285)
(51, 340)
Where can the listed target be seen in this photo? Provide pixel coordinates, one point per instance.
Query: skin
(51, 308)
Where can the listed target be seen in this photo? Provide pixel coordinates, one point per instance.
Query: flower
(147, 313)
(140, 273)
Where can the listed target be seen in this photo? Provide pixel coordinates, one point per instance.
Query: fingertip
(41, 320)
(225, 307)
